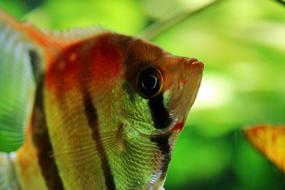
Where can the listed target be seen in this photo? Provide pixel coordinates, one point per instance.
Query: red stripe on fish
(100, 55)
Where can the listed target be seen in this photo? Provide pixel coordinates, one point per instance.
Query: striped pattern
(92, 118)
(161, 120)
(159, 112)
(90, 110)
(164, 148)
(43, 145)
(158, 115)
(80, 145)
(35, 62)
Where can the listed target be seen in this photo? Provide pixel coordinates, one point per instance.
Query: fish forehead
(103, 59)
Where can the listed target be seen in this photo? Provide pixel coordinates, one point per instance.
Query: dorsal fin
(21, 63)
(73, 35)
(47, 39)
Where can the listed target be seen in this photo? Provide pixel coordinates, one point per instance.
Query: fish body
(98, 110)
(270, 141)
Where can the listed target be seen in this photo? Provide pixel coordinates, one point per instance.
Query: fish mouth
(194, 81)
(192, 71)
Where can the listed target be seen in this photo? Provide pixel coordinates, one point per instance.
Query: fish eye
(149, 82)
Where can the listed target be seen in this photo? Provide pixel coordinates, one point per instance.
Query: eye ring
(149, 82)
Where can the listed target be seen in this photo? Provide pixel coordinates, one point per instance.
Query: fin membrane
(19, 65)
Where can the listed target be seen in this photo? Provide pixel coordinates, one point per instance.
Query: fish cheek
(135, 112)
(148, 156)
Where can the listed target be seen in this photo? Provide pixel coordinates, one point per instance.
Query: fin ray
(69, 36)
(17, 82)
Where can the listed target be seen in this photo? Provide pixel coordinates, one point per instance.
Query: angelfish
(89, 109)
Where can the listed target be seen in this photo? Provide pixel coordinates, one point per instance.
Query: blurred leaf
(112, 14)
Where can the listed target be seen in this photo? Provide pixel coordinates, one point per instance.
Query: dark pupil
(149, 82)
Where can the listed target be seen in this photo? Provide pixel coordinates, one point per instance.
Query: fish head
(157, 90)
(125, 100)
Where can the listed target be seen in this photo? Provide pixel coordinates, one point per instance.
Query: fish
(269, 140)
(89, 109)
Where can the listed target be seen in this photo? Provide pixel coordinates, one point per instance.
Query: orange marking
(64, 73)
(106, 59)
(95, 62)
(72, 57)
(270, 141)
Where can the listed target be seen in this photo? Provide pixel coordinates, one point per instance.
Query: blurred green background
(241, 42)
